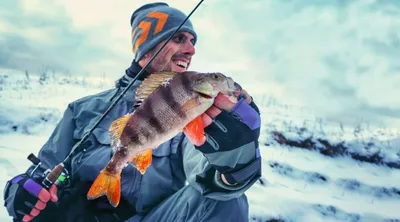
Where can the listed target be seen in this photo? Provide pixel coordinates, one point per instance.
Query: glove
(25, 198)
(231, 145)
(74, 206)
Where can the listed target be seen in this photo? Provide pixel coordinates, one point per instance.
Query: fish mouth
(205, 91)
(205, 95)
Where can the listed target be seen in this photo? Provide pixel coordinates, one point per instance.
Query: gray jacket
(174, 163)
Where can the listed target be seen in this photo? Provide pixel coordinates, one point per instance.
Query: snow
(313, 170)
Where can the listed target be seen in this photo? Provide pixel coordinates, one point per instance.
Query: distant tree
(53, 74)
(27, 75)
(44, 76)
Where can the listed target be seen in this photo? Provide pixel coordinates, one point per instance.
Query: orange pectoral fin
(142, 160)
(117, 127)
(195, 131)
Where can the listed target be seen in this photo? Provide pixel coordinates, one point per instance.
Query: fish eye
(215, 76)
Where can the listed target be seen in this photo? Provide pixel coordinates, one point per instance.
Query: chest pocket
(94, 155)
(96, 150)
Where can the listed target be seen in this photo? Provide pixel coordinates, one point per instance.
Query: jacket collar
(134, 69)
(130, 73)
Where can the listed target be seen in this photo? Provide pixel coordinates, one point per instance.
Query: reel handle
(54, 176)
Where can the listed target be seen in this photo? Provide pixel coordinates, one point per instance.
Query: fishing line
(58, 169)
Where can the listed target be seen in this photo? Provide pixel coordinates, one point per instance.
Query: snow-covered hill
(312, 170)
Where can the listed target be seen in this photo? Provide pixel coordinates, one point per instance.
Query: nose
(188, 48)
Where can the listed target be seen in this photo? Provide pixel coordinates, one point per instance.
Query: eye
(179, 38)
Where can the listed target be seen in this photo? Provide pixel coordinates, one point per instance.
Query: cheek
(160, 62)
(165, 56)
(167, 53)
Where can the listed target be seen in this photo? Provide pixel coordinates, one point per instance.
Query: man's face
(175, 56)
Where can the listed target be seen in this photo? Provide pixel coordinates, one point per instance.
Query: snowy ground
(312, 170)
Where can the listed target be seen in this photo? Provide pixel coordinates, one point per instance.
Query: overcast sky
(340, 58)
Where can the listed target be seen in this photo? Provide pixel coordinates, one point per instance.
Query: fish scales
(162, 110)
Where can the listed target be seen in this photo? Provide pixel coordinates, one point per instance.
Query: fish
(168, 103)
(193, 130)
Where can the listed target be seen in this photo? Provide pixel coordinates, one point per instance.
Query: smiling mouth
(181, 64)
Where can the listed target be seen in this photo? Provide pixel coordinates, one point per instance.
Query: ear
(144, 59)
(148, 54)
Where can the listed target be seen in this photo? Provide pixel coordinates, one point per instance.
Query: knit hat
(154, 22)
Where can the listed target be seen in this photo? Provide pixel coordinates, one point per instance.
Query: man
(217, 172)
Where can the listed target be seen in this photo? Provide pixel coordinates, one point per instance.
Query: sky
(339, 58)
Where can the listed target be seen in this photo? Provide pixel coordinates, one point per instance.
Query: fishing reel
(59, 175)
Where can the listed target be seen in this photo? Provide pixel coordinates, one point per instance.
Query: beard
(160, 64)
(165, 61)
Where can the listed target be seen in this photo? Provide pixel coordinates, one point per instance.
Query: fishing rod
(58, 174)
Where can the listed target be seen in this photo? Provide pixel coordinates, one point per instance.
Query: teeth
(181, 64)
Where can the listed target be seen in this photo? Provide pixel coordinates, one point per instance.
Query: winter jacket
(175, 163)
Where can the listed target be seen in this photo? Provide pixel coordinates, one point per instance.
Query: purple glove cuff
(29, 185)
(17, 179)
(247, 114)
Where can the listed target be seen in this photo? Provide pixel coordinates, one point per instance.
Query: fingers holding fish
(207, 120)
(227, 102)
(223, 102)
(213, 111)
(246, 95)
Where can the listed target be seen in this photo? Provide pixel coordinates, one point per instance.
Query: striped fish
(168, 103)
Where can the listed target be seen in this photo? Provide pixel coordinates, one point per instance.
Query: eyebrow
(186, 36)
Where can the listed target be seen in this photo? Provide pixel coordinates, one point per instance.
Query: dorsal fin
(151, 83)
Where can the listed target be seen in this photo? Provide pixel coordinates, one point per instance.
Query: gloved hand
(25, 198)
(75, 200)
(231, 145)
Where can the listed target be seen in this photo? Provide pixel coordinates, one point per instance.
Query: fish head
(209, 85)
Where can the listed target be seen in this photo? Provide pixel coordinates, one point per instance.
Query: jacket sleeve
(53, 151)
(204, 178)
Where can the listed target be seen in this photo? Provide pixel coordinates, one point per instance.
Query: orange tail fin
(195, 131)
(142, 160)
(108, 184)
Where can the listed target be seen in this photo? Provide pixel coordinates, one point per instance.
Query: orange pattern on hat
(161, 20)
(146, 25)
